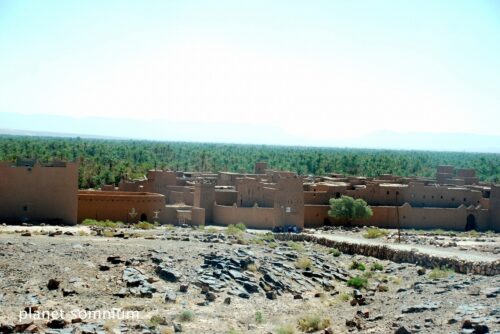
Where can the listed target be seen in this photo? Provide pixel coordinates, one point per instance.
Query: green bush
(298, 247)
(303, 263)
(144, 226)
(344, 297)
(259, 318)
(233, 230)
(286, 329)
(157, 319)
(313, 323)
(377, 266)
(102, 223)
(241, 226)
(212, 230)
(335, 252)
(357, 282)
(375, 232)
(186, 316)
(358, 265)
(438, 273)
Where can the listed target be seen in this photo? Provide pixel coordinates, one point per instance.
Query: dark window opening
(144, 217)
(25, 208)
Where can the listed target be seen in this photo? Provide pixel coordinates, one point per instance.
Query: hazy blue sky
(292, 72)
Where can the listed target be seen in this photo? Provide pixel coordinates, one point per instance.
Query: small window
(387, 193)
(441, 196)
(404, 217)
(397, 192)
(25, 208)
(465, 199)
(453, 198)
(423, 197)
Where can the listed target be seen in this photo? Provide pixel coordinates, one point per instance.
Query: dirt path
(468, 255)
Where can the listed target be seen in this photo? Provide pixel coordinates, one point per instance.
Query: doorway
(471, 223)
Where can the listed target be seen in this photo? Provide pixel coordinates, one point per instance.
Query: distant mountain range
(160, 130)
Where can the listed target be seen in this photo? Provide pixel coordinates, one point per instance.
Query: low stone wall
(400, 256)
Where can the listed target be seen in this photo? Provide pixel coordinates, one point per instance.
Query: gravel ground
(201, 282)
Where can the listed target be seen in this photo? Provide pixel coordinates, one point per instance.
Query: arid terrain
(218, 281)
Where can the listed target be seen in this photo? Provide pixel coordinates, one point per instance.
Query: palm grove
(108, 161)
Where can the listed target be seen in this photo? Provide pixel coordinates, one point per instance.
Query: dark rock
(251, 287)
(421, 308)
(170, 297)
(177, 328)
(133, 277)
(53, 284)
(103, 267)
(297, 296)
(21, 326)
(235, 274)
(227, 300)
(467, 324)
(122, 293)
(167, 274)
(271, 295)
(244, 295)
(56, 323)
(67, 292)
(481, 329)
(54, 233)
(402, 330)
(205, 289)
(210, 296)
(114, 259)
(244, 263)
(26, 234)
(184, 288)
(7, 329)
(156, 259)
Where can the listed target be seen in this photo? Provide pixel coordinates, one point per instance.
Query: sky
(278, 72)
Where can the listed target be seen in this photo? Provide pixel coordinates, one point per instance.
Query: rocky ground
(209, 281)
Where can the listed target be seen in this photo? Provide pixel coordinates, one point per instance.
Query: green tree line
(107, 161)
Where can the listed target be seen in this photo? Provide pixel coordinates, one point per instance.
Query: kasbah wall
(30, 191)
